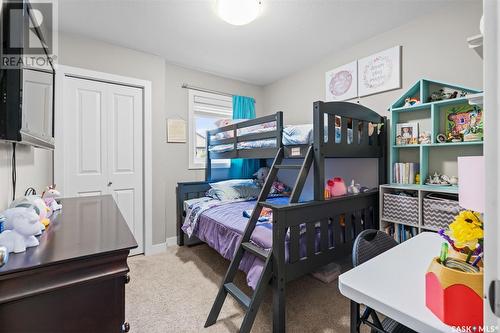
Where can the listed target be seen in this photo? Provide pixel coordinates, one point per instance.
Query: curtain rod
(187, 86)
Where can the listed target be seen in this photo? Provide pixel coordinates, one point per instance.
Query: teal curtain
(243, 108)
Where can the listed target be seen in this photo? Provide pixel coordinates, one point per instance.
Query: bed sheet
(221, 226)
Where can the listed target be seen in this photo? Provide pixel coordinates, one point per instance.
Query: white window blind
(205, 109)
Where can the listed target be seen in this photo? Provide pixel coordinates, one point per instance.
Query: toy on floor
(22, 225)
(49, 196)
(336, 187)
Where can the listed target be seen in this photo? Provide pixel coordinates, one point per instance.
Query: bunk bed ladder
(251, 304)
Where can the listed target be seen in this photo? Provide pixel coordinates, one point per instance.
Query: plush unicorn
(49, 196)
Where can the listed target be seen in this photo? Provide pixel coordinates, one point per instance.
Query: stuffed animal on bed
(277, 188)
(261, 175)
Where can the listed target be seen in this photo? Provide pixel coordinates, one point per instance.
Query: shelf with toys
(450, 117)
(433, 123)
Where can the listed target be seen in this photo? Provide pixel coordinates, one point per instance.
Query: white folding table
(393, 283)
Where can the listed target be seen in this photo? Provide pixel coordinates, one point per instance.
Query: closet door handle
(110, 183)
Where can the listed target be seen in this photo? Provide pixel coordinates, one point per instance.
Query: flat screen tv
(26, 88)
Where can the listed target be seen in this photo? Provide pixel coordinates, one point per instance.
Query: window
(205, 109)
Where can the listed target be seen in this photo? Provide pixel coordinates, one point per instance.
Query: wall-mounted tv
(26, 87)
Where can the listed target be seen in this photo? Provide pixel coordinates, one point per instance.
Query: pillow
(234, 189)
(211, 193)
(221, 123)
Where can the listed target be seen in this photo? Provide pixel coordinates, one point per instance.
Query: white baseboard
(161, 247)
(156, 248)
(171, 241)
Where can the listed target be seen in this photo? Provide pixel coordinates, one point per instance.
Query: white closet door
(103, 146)
(125, 154)
(85, 131)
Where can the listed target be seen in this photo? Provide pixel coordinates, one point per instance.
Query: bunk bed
(305, 235)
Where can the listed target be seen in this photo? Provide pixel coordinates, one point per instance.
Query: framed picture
(380, 72)
(407, 134)
(463, 122)
(341, 83)
(176, 131)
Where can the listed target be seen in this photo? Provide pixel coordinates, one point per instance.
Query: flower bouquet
(465, 236)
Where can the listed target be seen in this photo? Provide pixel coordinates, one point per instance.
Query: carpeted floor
(173, 292)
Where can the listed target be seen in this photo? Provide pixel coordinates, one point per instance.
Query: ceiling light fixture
(238, 12)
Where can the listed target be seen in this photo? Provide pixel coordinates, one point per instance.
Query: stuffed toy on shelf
(336, 187)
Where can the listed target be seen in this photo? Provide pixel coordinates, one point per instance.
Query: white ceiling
(288, 36)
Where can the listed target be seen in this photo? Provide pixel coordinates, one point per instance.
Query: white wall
(170, 160)
(34, 169)
(434, 47)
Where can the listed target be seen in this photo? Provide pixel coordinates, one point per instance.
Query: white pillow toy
(25, 224)
(9, 226)
(30, 205)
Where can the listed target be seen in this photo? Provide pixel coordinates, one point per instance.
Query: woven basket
(400, 208)
(439, 213)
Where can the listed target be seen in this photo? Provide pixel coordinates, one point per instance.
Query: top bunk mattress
(293, 135)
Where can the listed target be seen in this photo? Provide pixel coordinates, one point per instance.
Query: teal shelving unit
(430, 117)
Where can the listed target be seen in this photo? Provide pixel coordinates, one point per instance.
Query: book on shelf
(404, 173)
(400, 232)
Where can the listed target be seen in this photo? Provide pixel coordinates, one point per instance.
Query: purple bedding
(221, 227)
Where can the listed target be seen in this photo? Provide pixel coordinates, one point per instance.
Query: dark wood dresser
(74, 281)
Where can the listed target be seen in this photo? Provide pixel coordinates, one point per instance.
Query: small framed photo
(176, 131)
(407, 134)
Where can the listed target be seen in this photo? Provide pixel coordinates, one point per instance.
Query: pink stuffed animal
(49, 196)
(336, 186)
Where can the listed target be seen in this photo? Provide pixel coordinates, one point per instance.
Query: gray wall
(434, 47)
(174, 160)
(170, 160)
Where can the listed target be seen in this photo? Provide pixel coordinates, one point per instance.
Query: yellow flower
(471, 217)
(466, 230)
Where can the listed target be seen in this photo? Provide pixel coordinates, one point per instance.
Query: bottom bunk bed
(303, 236)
